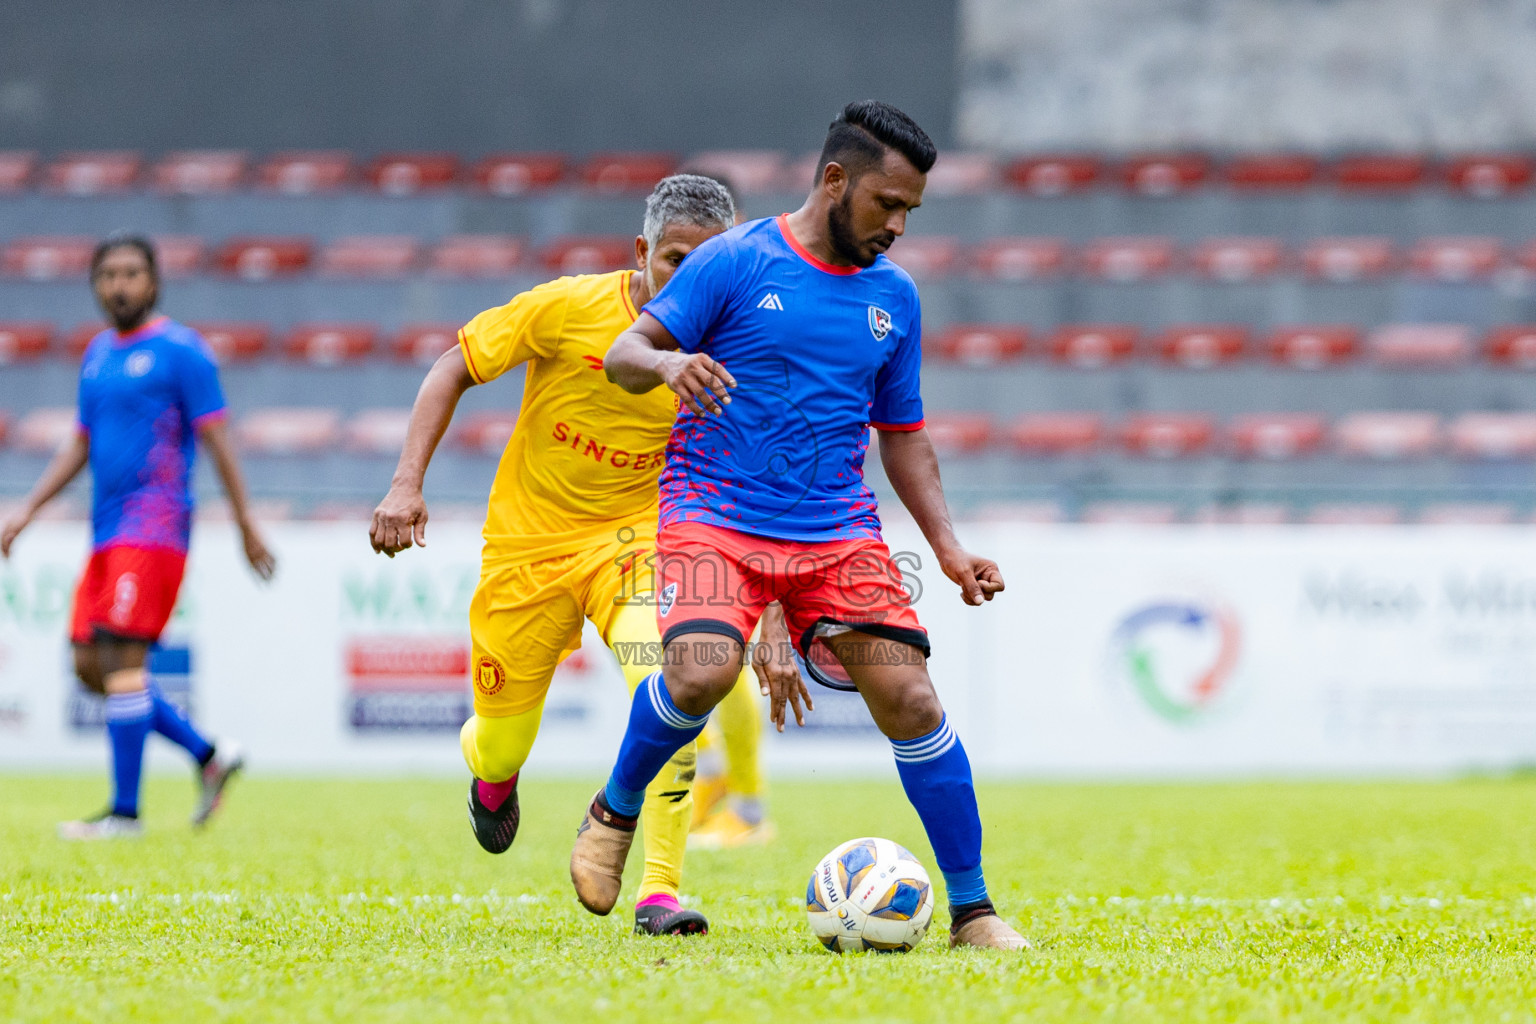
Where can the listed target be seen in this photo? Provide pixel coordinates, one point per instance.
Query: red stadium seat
(378, 431)
(981, 344)
(627, 172)
(288, 431)
(516, 174)
(1277, 172)
(43, 431)
(1525, 257)
(1091, 346)
(745, 171)
(1387, 435)
(1276, 436)
(368, 256)
(1057, 434)
(330, 344)
(423, 343)
(263, 510)
(21, 341)
(927, 256)
(341, 511)
(476, 256)
(1020, 259)
(1491, 175)
(406, 174)
(1344, 260)
(1167, 435)
(1420, 345)
(78, 339)
(1235, 260)
(1130, 513)
(589, 254)
(235, 342)
(1455, 260)
(1354, 514)
(1165, 175)
(305, 173)
(258, 259)
(1244, 513)
(486, 433)
(1493, 435)
(1200, 347)
(1053, 175)
(1033, 512)
(47, 259)
(1467, 513)
(961, 173)
(5, 429)
(179, 255)
(199, 172)
(1514, 347)
(1127, 259)
(92, 174)
(1312, 348)
(16, 167)
(959, 433)
(1380, 173)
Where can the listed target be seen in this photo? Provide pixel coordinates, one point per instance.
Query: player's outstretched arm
(401, 518)
(913, 469)
(214, 434)
(647, 356)
(64, 467)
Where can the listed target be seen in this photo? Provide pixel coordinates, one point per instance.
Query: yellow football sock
(495, 748)
(741, 728)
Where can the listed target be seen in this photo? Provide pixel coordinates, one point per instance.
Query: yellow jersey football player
(570, 523)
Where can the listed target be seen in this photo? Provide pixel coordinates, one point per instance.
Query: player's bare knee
(697, 685)
(88, 669)
(914, 712)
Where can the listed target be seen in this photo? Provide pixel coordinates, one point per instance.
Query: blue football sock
(937, 777)
(657, 730)
(176, 727)
(128, 724)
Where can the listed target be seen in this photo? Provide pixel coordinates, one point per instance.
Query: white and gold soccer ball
(869, 894)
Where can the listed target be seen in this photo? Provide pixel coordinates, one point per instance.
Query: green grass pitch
(369, 901)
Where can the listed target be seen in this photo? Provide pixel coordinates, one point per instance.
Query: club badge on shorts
(879, 323)
(668, 598)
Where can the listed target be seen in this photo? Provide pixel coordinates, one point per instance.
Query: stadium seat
(1164, 175)
(329, 344)
(1235, 260)
(1020, 259)
(1467, 513)
(1200, 347)
(1275, 172)
(340, 511)
(476, 256)
(1490, 175)
(1130, 513)
(5, 429)
(1345, 260)
(261, 258)
(1053, 175)
(927, 256)
(1387, 435)
(1455, 260)
(263, 510)
(1513, 346)
(1420, 345)
(1244, 513)
(199, 172)
(981, 344)
(179, 255)
(962, 173)
(235, 342)
(305, 173)
(378, 431)
(1167, 435)
(1126, 259)
(78, 338)
(1354, 514)
(588, 254)
(1276, 437)
(1056, 434)
(516, 174)
(289, 430)
(745, 171)
(43, 430)
(1090, 346)
(21, 341)
(1493, 435)
(1313, 348)
(423, 343)
(1380, 172)
(955, 433)
(47, 259)
(1015, 512)
(485, 433)
(626, 172)
(16, 168)
(368, 256)
(406, 174)
(92, 174)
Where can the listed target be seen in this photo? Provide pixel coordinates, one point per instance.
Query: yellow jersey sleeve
(528, 327)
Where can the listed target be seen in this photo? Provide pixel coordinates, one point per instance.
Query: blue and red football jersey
(141, 396)
(820, 354)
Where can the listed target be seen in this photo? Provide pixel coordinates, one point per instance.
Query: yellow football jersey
(585, 455)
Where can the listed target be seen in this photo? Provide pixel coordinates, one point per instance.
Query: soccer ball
(869, 894)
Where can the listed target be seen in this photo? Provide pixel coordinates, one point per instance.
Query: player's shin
(657, 730)
(130, 713)
(936, 775)
(173, 725)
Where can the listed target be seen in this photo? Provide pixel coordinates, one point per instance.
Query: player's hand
(700, 382)
(13, 525)
(399, 521)
(778, 677)
(263, 562)
(979, 578)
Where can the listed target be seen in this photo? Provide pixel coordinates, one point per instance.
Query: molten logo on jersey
(879, 322)
(1178, 656)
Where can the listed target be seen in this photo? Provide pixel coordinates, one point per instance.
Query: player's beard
(840, 234)
(128, 316)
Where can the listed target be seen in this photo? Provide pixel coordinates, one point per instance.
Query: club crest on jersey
(879, 323)
(139, 364)
(668, 598)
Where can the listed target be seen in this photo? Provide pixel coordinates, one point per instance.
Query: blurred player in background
(149, 391)
(571, 523)
(764, 496)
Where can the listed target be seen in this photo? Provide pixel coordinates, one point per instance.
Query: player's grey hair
(687, 199)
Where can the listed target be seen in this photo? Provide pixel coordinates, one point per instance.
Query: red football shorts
(127, 593)
(713, 580)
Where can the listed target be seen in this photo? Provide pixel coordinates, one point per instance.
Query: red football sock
(493, 794)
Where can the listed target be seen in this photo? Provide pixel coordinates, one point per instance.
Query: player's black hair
(859, 136)
(125, 240)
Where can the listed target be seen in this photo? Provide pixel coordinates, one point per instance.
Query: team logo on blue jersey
(139, 364)
(879, 322)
